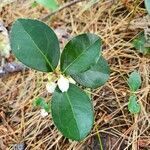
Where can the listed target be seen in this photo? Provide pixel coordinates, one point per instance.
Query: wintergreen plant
(134, 83)
(36, 45)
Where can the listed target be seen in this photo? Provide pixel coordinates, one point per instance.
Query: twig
(44, 18)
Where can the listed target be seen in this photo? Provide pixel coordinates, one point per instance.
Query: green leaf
(72, 112)
(50, 4)
(35, 44)
(41, 102)
(133, 105)
(95, 76)
(134, 81)
(147, 5)
(79, 53)
(141, 44)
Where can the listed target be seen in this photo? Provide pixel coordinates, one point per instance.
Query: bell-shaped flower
(63, 84)
(50, 87)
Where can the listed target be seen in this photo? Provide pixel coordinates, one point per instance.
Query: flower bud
(43, 113)
(63, 84)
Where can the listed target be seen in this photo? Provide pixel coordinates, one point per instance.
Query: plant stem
(99, 138)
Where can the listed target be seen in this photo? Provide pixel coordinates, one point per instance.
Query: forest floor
(117, 22)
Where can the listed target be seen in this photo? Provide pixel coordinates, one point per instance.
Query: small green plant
(134, 83)
(36, 45)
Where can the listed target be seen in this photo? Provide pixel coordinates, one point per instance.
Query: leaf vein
(38, 48)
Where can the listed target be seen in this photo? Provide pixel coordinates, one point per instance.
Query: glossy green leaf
(50, 4)
(95, 76)
(72, 112)
(147, 5)
(35, 44)
(134, 81)
(79, 53)
(42, 103)
(141, 44)
(133, 105)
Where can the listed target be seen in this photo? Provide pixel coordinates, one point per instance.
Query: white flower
(50, 87)
(63, 84)
(72, 81)
(43, 113)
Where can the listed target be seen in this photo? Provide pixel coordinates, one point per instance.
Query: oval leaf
(72, 112)
(94, 77)
(80, 53)
(147, 5)
(134, 81)
(133, 105)
(35, 44)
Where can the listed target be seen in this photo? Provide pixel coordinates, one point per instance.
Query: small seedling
(134, 83)
(36, 45)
